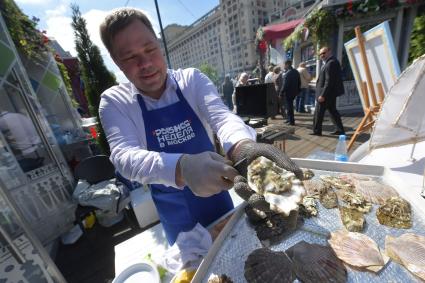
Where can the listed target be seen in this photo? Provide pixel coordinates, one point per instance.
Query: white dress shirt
(124, 127)
(20, 132)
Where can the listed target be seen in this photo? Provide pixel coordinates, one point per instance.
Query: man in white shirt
(160, 128)
(269, 77)
(19, 132)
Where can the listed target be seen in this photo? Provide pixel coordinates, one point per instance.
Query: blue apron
(177, 129)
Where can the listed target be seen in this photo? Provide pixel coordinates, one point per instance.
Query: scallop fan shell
(265, 265)
(408, 250)
(315, 263)
(373, 191)
(357, 249)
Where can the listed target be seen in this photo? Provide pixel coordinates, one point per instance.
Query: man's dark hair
(118, 20)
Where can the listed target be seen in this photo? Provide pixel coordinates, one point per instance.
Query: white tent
(402, 117)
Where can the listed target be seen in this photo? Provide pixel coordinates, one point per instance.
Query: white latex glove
(207, 173)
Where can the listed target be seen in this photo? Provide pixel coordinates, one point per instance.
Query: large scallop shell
(357, 249)
(265, 265)
(315, 263)
(408, 250)
(373, 191)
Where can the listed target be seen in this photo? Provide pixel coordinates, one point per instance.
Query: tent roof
(282, 30)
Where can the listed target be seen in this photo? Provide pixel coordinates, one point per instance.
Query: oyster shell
(315, 263)
(408, 250)
(358, 250)
(255, 215)
(265, 176)
(373, 191)
(308, 174)
(314, 187)
(336, 182)
(308, 207)
(280, 188)
(329, 199)
(265, 265)
(396, 212)
(223, 278)
(354, 200)
(275, 227)
(352, 219)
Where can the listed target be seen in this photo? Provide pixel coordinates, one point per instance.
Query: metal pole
(221, 54)
(162, 33)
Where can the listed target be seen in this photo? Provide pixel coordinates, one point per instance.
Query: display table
(151, 241)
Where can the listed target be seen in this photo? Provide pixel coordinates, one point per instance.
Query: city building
(224, 37)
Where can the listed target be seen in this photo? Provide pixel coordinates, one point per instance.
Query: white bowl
(138, 273)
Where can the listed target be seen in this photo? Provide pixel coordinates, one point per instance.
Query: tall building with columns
(223, 38)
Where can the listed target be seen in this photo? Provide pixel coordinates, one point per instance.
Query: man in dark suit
(328, 87)
(290, 89)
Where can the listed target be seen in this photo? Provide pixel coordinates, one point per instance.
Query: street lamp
(163, 34)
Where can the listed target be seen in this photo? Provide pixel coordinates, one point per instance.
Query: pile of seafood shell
(273, 195)
(354, 195)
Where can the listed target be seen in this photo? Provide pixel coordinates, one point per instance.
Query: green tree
(96, 77)
(210, 72)
(417, 38)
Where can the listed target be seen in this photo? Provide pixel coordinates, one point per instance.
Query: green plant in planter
(321, 24)
(295, 36)
(28, 40)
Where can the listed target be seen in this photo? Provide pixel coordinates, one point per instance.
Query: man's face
(136, 51)
(324, 54)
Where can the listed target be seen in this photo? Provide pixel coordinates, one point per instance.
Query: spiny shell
(315, 263)
(357, 249)
(265, 265)
(396, 212)
(408, 250)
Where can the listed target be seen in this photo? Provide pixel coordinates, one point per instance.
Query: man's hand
(206, 173)
(321, 99)
(250, 150)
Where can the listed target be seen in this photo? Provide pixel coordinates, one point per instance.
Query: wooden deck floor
(301, 144)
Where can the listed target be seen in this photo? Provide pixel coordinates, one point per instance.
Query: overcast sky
(55, 18)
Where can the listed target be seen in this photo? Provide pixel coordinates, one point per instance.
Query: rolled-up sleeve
(229, 127)
(129, 152)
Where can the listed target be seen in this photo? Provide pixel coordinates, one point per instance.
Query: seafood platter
(333, 222)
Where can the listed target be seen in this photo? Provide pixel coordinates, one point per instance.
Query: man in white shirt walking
(160, 127)
(305, 79)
